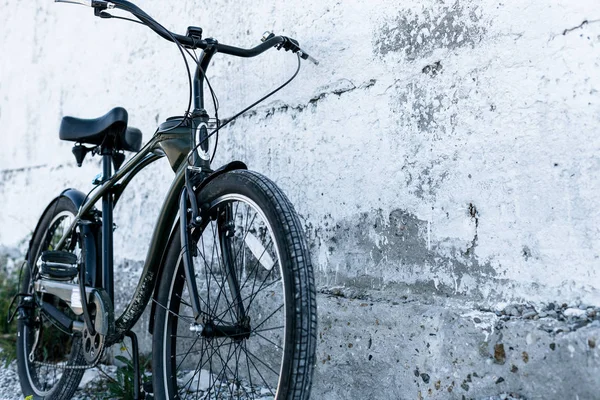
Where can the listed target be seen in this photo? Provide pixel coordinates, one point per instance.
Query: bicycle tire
(54, 345)
(294, 287)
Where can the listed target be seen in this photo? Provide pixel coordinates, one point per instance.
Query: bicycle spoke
(266, 319)
(247, 352)
(199, 367)
(237, 364)
(262, 362)
(261, 287)
(176, 355)
(199, 350)
(268, 329)
(191, 380)
(225, 363)
(189, 318)
(188, 304)
(199, 370)
(249, 374)
(269, 340)
(210, 377)
(246, 231)
(210, 312)
(256, 266)
(183, 336)
(251, 295)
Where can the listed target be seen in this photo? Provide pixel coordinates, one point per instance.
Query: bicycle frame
(180, 146)
(177, 144)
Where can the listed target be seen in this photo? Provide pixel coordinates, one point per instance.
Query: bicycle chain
(64, 366)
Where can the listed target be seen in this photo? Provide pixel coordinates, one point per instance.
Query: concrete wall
(441, 150)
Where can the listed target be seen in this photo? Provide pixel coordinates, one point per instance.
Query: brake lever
(98, 5)
(290, 44)
(305, 56)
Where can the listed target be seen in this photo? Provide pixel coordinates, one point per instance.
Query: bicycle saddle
(109, 130)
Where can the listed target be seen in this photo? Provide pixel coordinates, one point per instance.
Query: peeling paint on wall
(417, 34)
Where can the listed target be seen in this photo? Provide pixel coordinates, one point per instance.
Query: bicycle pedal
(60, 265)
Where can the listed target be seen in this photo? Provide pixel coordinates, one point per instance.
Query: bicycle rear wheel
(43, 348)
(256, 336)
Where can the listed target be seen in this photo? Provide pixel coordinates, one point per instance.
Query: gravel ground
(9, 383)
(11, 390)
(92, 379)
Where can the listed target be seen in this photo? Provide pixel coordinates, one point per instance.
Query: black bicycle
(228, 272)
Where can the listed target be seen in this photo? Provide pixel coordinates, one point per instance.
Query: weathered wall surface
(441, 148)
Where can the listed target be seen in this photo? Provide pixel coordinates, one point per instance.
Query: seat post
(107, 227)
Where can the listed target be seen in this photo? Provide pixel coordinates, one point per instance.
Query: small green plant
(122, 385)
(9, 287)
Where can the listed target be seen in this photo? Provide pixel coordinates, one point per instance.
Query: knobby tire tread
(304, 272)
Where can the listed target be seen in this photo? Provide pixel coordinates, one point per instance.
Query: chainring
(102, 314)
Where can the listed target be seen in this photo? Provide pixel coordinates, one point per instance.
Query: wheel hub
(211, 330)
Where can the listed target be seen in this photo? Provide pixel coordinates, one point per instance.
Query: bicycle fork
(192, 217)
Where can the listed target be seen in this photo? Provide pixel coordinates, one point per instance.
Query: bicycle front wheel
(256, 334)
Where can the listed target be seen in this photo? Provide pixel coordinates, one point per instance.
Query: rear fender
(77, 198)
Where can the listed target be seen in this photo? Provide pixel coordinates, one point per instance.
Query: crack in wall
(556, 317)
(8, 171)
(581, 25)
(473, 213)
(337, 88)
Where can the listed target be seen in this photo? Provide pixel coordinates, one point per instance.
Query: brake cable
(183, 50)
(245, 110)
(106, 15)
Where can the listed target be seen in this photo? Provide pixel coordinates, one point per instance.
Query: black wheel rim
(246, 361)
(54, 346)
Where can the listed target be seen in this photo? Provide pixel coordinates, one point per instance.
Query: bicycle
(228, 273)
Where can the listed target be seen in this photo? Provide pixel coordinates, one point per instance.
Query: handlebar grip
(252, 52)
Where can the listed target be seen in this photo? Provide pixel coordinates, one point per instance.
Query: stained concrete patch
(374, 250)
(431, 109)
(418, 34)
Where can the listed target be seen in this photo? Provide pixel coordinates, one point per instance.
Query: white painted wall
(381, 158)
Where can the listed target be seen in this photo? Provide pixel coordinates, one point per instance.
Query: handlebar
(193, 42)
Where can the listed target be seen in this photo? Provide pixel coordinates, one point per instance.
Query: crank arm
(60, 318)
